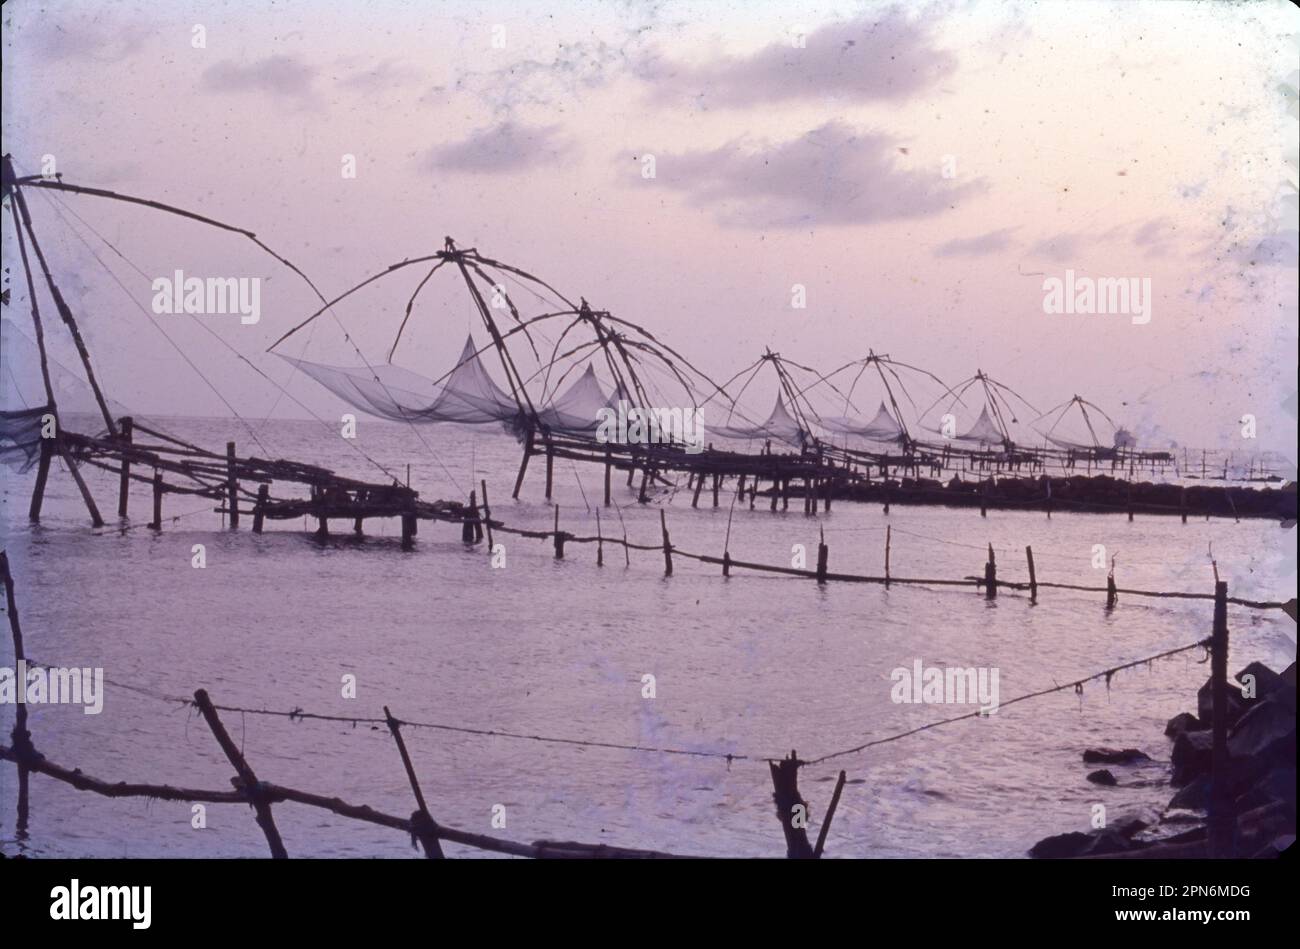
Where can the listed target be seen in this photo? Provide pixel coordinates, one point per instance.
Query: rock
(1205, 704)
(1194, 797)
(1269, 686)
(1277, 784)
(1076, 844)
(1190, 757)
(1061, 845)
(1275, 847)
(1103, 777)
(1128, 826)
(1111, 756)
(1183, 722)
(1266, 725)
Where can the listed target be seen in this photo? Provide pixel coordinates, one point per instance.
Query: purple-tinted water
(755, 664)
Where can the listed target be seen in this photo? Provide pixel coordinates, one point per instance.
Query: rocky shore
(1262, 779)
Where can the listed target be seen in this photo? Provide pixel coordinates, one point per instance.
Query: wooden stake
(232, 486)
(823, 554)
(889, 533)
(1221, 819)
(487, 514)
(523, 464)
(600, 542)
(248, 780)
(259, 509)
(558, 536)
(95, 519)
(609, 462)
(22, 738)
(830, 815)
(156, 523)
(785, 793)
(717, 484)
(668, 547)
(127, 426)
(550, 467)
(42, 475)
(426, 829)
(991, 577)
(408, 531)
(1033, 578)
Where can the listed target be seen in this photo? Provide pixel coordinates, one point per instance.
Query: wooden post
(699, 484)
(642, 497)
(22, 738)
(558, 536)
(1112, 596)
(408, 531)
(127, 428)
(550, 467)
(785, 494)
(487, 514)
(259, 509)
(668, 547)
(889, 533)
(991, 577)
(523, 464)
(467, 525)
(717, 484)
(232, 486)
(358, 526)
(600, 542)
(1130, 501)
(609, 462)
(791, 805)
(830, 815)
(248, 780)
(984, 499)
(426, 829)
(1033, 577)
(776, 489)
(829, 486)
(156, 523)
(42, 475)
(1182, 502)
(823, 554)
(1221, 829)
(726, 563)
(95, 519)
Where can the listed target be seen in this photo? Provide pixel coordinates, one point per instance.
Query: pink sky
(1129, 139)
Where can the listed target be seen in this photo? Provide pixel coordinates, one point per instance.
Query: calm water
(753, 664)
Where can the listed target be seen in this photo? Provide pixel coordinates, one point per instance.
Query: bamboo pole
(248, 780)
(423, 825)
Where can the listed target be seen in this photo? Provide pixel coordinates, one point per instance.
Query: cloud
(282, 77)
(1060, 248)
(885, 56)
(832, 175)
(381, 77)
(976, 246)
(502, 148)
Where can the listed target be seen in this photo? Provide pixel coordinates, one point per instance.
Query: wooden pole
(127, 428)
(1112, 595)
(823, 554)
(600, 542)
(156, 523)
(668, 547)
(232, 486)
(550, 467)
(717, 484)
(250, 785)
(22, 738)
(1033, 577)
(95, 519)
(487, 515)
(830, 815)
(424, 826)
(259, 509)
(991, 577)
(408, 531)
(789, 803)
(699, 484)
(889, 533)
(559, 536)
(609, 462)
(523, 464)
(1220, 811)
(42, 475)
(467, 525)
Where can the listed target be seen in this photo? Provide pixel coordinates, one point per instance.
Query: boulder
(1112, 756)
(1205, 704)
(1190, 757)
(1183, 722)
(1267, 729)
(1195, 796)
(1059, 846)
(1103, 777)
(1269, 686)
